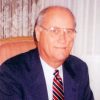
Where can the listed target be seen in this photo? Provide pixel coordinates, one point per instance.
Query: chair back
(13, 46)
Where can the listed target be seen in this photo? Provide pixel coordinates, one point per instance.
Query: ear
(37, 32)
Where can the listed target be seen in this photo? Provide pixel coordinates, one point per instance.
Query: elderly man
(48, 72)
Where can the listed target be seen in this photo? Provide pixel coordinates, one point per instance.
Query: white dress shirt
(48, 74)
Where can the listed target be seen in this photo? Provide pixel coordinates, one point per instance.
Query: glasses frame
(56, 30)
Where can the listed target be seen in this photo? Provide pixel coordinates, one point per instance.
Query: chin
(61, 57)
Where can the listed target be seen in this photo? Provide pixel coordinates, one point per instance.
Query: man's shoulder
(75, 60)
(17, 70)
(20, 63)
(21, 57)
(76, 66)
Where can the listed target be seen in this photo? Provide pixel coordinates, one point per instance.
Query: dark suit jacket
(22, 78)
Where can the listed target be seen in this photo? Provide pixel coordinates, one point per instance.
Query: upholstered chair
(13, 46)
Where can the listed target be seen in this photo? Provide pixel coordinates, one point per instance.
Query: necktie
(58, 90)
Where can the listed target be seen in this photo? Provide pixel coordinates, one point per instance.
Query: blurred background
(17, 18)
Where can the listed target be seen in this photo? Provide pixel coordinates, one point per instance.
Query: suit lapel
(38, 90)
(70, 86)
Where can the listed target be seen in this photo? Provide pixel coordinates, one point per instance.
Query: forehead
(57, 16)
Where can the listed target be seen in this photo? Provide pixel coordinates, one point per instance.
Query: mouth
(63, 47)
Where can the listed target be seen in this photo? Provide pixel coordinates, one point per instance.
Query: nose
(62, 36)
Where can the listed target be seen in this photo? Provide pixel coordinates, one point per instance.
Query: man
(30, 76)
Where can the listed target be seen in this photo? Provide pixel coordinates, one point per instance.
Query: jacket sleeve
(9, 88)
(88, 94)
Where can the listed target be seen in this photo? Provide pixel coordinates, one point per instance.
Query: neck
(54, 64)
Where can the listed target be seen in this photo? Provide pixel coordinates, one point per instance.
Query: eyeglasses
(55, 30)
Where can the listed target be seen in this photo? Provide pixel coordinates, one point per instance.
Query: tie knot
(56, 73)
(57, 76)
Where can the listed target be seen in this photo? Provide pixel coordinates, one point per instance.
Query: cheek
(48, 43)
(70, 44)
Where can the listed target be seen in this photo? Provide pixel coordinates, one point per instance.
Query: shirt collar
(49, 69)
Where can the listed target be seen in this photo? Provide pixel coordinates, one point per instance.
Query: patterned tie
(58, 90)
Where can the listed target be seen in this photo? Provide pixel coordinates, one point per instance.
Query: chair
(13, 46)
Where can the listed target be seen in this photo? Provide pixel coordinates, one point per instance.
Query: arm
(9, 88)
(88, 95)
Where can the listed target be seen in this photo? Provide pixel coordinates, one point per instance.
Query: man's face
(54, 41)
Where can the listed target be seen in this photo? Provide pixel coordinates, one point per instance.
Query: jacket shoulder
(19, 62)
(20, 57)
(76, 60)
(76, 67)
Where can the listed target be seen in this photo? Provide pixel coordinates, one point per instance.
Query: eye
(54, 30)
(69, 31)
